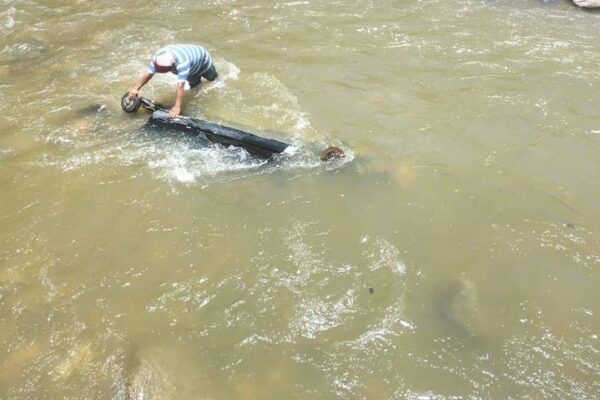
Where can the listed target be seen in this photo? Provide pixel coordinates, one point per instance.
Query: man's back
(190, 60)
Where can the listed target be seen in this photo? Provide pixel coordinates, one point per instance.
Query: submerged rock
(587, 3)
(149, 382)
(331, 153)
(457, 307)
(147, 378)
(94, 109)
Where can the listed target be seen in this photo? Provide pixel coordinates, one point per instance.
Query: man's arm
(174, 112)
(143, 80)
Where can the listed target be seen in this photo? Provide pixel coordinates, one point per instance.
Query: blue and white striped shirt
(190, 60)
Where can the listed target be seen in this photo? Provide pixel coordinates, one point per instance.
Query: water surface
(454, 253)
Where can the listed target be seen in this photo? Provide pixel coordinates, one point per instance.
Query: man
(190, 62)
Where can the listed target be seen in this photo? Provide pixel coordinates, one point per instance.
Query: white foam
(180, 159)
(184, 164)
(316, 315)
(387, 255)
(5, 153)
(10, 22)
(183, 175)
(227, 72)
(290, 150)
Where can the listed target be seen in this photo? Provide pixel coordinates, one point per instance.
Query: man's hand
(133, 93)
(174, 112)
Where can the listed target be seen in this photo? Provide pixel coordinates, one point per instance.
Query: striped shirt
(190, 60)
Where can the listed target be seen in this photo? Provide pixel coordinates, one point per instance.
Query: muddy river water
(454, 253)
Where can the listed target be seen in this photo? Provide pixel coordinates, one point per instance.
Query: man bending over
(189, 62)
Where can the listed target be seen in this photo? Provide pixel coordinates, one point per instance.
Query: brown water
(454, 253)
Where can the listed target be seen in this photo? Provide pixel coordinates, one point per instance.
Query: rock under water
(457, 307)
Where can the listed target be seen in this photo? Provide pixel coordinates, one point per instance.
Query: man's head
(163, 61)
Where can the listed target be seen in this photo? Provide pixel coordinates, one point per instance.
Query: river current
(454, 253)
